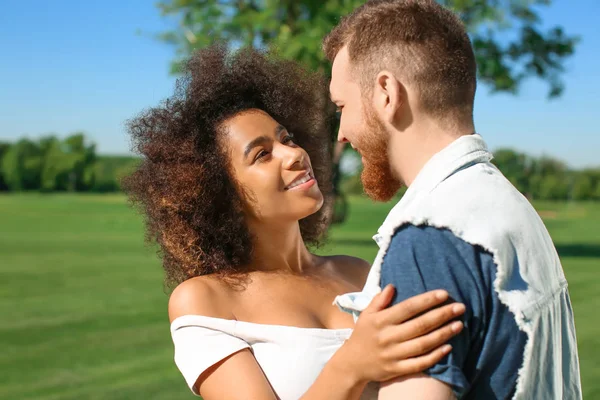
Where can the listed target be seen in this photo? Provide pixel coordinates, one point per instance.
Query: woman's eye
(261, 155)
(288, 139)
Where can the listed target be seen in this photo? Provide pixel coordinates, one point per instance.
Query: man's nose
(341, 138)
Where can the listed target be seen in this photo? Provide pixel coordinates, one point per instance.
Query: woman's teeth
(300, 182)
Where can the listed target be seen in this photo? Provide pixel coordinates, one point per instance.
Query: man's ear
(388, 96)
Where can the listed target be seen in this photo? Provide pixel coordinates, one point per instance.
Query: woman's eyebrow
(259, 141)
(262, 140)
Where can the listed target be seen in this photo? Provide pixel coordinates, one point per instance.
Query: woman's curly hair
(183, 185)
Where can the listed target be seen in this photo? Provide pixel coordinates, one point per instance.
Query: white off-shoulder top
(290, 357)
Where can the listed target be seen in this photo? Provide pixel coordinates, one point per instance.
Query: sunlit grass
(84, 311)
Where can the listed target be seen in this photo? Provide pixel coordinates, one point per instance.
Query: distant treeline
(50, 164)
(538, 178)
(546, 178)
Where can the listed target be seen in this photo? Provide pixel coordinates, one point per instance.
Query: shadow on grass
(578, 250)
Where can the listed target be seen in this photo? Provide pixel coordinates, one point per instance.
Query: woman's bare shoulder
(353, 269)
(202, 295)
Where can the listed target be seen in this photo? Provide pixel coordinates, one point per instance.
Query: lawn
(84, 309)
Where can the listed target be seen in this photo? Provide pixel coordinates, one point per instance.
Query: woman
(235, 167)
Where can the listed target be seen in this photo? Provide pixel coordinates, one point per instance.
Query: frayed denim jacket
(460, 190)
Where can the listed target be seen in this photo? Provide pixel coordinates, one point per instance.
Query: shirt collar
(462, 153)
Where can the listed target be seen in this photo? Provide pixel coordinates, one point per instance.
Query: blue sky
(71, 66)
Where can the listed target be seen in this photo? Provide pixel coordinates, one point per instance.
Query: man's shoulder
(436, 249)
(427, 237)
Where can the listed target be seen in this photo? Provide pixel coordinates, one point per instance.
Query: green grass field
(84, 311)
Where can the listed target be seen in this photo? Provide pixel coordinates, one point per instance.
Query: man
(404, 79)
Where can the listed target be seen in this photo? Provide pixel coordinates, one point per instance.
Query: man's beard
(377, 178)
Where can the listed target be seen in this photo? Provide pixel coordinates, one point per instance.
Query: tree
(53, 165)
(296, 28)
(553, 188)
(583, 187)
(515, 166)
(21, 166)
(593, 176)
(550, 179)
(67, 164)
(58, 166)
(48, 164)
(109, 170)
(83, 156)
(3, 150)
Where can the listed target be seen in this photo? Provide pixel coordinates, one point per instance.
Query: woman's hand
(401, 340)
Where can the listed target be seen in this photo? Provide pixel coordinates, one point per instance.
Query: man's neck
(411, 149)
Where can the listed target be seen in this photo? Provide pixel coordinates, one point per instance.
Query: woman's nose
(293, 157)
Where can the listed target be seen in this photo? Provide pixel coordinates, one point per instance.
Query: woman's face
(275, 174)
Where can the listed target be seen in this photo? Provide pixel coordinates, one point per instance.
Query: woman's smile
(304, 181)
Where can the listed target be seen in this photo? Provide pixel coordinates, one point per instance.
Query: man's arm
(424, 258)
(416, 387)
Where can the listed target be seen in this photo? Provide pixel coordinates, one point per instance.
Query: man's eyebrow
(262, 140)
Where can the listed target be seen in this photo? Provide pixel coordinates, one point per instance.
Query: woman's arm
(386, 343)
(236, 377)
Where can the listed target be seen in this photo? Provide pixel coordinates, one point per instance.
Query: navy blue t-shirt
(487, 355)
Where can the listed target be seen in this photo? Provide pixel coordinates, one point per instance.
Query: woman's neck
(280, 249)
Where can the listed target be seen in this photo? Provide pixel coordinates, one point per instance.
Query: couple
(234, 164)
